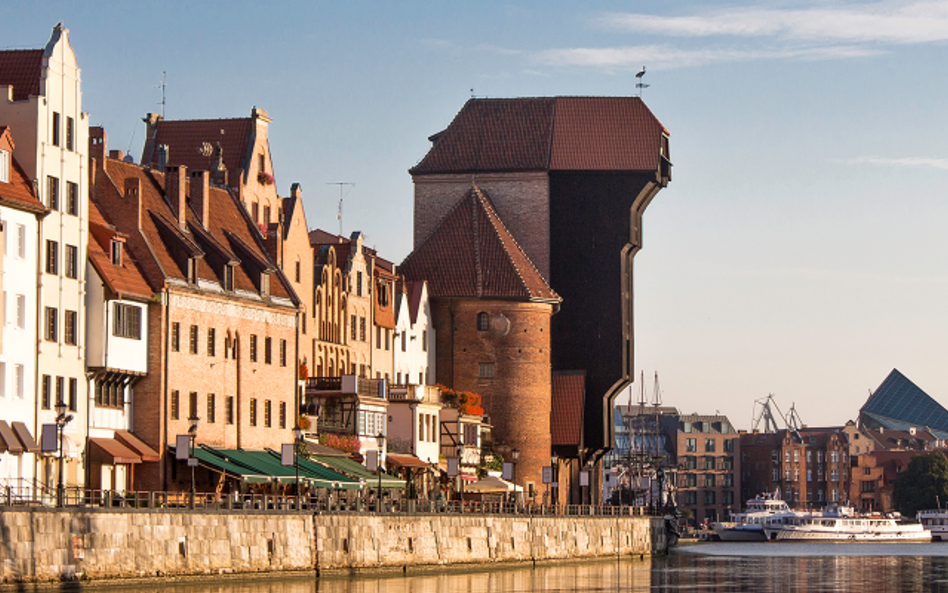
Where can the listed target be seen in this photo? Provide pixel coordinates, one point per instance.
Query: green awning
(268, 464)
(322, 477)
(215, 462)
(356, 470)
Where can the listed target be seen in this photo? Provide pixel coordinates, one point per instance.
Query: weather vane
(640, 85)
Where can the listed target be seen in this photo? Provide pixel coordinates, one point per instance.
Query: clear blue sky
(800, 248)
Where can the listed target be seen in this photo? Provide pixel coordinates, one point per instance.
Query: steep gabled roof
(185, 139)
(566, 420)
(472, 254)
(900, 404)
(547, 134)
(18, 192)
(125, 280)
(21, 69)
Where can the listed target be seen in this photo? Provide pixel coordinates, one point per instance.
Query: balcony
(346, 385)
(424, 394)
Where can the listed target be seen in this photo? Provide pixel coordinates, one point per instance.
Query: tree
(923, 485)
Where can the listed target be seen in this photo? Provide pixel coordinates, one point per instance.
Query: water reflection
(718, 568)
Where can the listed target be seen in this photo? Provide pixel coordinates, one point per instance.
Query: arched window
(482, 322)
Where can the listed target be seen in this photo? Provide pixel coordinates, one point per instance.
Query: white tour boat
(936, 521)
(749, 525)
(841, 524)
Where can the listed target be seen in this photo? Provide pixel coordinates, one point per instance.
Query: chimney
(175, 179)
(116, 154)
(200, 195)
(162, 156)
(151, 132)
(296, 191)
(133, 193)
(96, 154)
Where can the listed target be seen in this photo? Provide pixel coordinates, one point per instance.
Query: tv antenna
(339, 211)
(640, 85)
(162, 87)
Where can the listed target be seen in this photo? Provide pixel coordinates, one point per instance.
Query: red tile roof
(547, 134)
(125, 280)
(185, 139)
(21, 69)
(472, 254)
(18, 192)
(230, 235)
(566, 420)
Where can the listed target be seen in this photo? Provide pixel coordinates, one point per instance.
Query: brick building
(709, 467)
(491, 312)
(809, 467)
(570, 177)
(873, 479)
(222, 328)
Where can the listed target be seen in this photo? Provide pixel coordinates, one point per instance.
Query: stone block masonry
(43, 545)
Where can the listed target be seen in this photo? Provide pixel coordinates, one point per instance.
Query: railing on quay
(78, 498)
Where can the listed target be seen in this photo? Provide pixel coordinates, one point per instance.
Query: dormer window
(229, 277)
(116, 252)
(264, 284)
(192, 270)
(4, 166)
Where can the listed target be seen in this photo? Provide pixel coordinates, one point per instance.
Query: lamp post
(61, 421)
(554, 461)
(514, 456)
(381, 441)
(192, 434)
(297, 437)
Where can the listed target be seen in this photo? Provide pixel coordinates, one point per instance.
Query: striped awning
(8, 440)
(136, 445)
(23, 433)
(112, 452)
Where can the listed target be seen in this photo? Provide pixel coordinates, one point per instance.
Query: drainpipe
(165, 309)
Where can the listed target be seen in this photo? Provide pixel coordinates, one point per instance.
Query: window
(52, 257)
(386, 339)
(482, 322)
(21, 311)
(60, 388)
(72, 262)
(691, 462)
(691, 445)
(54, 131)
(729, 445)
(19, 379)
(211, 341)
(353, 329)
(72, 198)
(193, 340)
(709, 497)
(358, 283)
(485, 370)
(211, 408)
(70, 134)
(424, 340)
(362, 329)
(268, 350)
(115, 252)
(21, 241)
(282, 353)
(282, 414)
(51, 332)
(775, 475)
(728, 480)
(229, 409)
(796, 456)
(728, 497)
(175, 336)
(253, 349)
(709, 445)
(267, 418)
(127, 323)
(253, 411)
(4, 166)
(46, 392)
(192, 405)
(786, 456)
(52, 192)
(266, 214)
(809, 475)
(70, 327)
(403, 339)
(297, 271)
(691, 498)
(709, 480)
(709, 462)
(73, 394)
(255, 212)
(229, 277)
(378, 337)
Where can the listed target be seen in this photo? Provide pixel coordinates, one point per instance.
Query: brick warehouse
(222, 330)
(570, 177)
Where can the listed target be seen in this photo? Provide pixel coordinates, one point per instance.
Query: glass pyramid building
(899, 404)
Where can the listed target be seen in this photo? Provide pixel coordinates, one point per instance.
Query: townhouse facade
(709, 467)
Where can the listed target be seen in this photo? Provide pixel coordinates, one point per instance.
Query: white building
(117, 357)
(414, 360)
(41, 100)
(20, 216)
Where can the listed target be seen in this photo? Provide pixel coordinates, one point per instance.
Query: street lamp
(514, 456)
(554, 461)
(381, 441)
(297, 437)
(192, 436)
(61, 421)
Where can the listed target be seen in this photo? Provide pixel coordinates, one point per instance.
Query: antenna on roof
(640, 85)
(162, 87)
(339, 212)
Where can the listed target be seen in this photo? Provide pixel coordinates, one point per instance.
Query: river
(754, 567)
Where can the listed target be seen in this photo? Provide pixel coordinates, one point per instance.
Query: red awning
(112, 452)
(135, 444)
(23, 433)
(407, 461)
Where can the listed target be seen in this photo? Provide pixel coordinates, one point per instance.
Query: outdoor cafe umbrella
(490, 485)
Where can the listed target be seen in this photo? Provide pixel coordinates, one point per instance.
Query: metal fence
(80, 498)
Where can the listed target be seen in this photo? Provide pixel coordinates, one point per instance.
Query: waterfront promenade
(271, 534)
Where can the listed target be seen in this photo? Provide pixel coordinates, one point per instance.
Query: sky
(799, 249)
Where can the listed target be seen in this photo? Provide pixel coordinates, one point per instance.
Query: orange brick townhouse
(221, 327)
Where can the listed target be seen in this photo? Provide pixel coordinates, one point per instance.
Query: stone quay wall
(43, 545)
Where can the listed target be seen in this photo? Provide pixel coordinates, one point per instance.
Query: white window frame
(5, 166)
